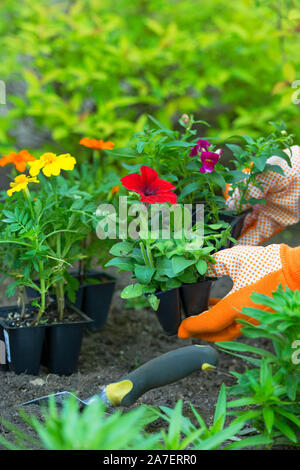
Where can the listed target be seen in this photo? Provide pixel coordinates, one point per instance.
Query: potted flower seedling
(163, 264)
(92, 288)
(43, 219)
(251, 159)
(193, 164)
(197, 166)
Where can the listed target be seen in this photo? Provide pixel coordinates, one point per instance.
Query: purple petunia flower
(209, 160)
(200, 145)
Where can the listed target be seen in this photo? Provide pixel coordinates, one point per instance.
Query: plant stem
(21, 300)
(27, 196)
(43, 295)
(81, 267)
(144, 254)
(211, 203)
(95, 159)
(60, 297)
(243, 195)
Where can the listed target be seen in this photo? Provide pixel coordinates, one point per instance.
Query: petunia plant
(251, 160)
(165, 150)
(42, 225)
(191, 163)
(159, 260)
(199, 167)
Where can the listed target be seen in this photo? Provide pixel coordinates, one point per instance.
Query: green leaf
(241, 347)
(179, 143)
(121, 248)
(190, 188)
(201, 267)
(164, 267)
(241, 402)
(237, 175)
(292, 383)
(132, 291)
(252, 441)
(220, 411)
(260, 162)
(144, 273)
(235, 149)
(248, 139)
(140, 146)
(285, 429)
(161, 126)
(179, 264)
(121, 263)
(268, 415)
(275, 168)
(288, 415)
(216, 440)
(219, 180)
(125, 152)
(153, 301)
(280, 153)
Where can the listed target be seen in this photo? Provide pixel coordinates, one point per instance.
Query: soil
(130, 338)
(17, 320)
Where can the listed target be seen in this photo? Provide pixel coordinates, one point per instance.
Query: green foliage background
(96, 68)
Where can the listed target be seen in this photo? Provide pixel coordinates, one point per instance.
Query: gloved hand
(282, 196)
(252, 269)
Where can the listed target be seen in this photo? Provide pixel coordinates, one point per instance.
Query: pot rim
(85, 319)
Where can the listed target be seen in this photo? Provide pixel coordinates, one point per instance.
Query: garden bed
(129, 339)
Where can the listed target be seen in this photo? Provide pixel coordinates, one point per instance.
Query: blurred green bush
(97, 68)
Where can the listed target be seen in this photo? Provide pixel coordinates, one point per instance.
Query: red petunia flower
(150, 187)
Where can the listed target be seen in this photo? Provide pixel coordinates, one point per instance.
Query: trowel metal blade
(59, 399)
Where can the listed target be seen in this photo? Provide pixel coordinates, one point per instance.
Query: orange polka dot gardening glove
(282, 196)
(252, 269)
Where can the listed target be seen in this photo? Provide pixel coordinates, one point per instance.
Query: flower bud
(185, 119)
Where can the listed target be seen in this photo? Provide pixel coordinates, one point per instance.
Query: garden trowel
(160, 371)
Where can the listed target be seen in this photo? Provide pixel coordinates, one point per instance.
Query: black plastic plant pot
(63, 344)
(3, 355)
(96, 298)
(93, 299)
(236, 222)
(23, 345)
(169, 311)
(195, 297)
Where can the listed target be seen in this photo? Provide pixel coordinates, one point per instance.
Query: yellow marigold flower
(52, 164)
(20, 182)
(18, 159)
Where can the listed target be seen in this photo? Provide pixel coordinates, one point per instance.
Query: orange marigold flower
(96, 144)
(115, 189)
(18, 159)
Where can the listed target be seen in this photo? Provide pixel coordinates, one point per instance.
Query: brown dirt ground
(130, 338)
